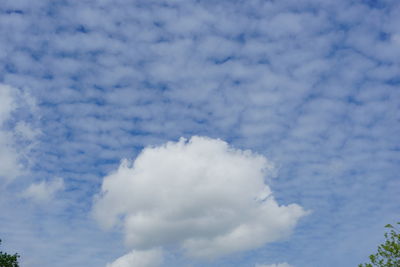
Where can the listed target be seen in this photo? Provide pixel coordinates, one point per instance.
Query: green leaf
(388, 254)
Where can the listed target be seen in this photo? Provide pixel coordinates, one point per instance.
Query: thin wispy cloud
(9, 167)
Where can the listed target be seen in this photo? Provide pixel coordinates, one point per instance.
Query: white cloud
(200, 194)
(17, 137)
(26, 131)
(44, 191)
(9, 166)
(145, 258)
(312, 84)
(7, 103)
(284, 264)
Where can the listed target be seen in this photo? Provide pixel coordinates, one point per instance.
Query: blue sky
(310, 86)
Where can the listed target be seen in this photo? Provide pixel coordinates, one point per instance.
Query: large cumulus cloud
(199, 194)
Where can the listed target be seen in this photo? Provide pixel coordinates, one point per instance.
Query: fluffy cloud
(44, 191)
(284, 264)
(146, 258)
(200, 194)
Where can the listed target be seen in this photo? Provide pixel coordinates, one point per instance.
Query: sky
(194, 133)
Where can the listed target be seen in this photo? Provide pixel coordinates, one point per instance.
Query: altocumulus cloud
(9, 167)
(44, 191)
(16, 135)
(201, 195)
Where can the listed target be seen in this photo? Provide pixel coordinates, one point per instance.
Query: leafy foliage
(389, 252)
(7, 260)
